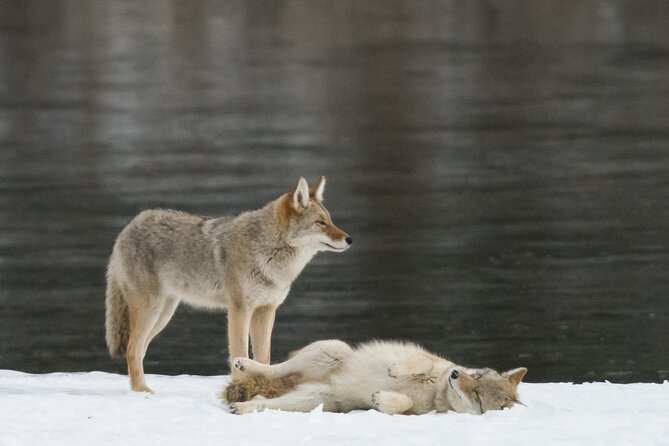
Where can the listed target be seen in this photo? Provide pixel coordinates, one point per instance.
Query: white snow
(97, 408)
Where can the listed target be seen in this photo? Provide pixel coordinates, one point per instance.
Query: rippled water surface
(502, 166)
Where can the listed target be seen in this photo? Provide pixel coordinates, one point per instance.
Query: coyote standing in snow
(245, 265)
(391, 377)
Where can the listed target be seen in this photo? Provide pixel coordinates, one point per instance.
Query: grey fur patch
(261, 278)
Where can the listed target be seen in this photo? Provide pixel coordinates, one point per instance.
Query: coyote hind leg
(313, 363)
(164, 315)
(142, 321)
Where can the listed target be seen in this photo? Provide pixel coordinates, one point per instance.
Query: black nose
(349, 240)
(455, 374)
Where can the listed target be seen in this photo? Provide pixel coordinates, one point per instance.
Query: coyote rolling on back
(245, 265)
(391, 377)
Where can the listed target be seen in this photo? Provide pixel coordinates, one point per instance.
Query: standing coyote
(244, 264)
(391, 377)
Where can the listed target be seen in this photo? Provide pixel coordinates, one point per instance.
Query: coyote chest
(388, 366)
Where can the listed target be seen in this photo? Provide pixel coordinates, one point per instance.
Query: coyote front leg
(239, 321)
(262, 321)
(305, 398)
(418, 367)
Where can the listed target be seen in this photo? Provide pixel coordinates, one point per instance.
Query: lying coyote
(391, 377)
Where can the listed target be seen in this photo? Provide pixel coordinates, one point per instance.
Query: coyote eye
(321, 223)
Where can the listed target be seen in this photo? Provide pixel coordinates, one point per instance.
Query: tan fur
(285, 211)
(390, 377)
(246, 387)
(244, 265)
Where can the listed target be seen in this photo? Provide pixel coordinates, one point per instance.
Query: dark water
(502, 165)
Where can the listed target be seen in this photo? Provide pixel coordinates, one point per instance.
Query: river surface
(503, 167)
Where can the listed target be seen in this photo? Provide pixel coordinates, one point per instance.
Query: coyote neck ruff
(244, 264)
(273, 260)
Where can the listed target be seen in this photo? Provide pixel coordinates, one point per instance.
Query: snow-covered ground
(96, 408)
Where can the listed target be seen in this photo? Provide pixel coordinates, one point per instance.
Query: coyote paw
(395, 371)
(243, 408)
(240, 364)
(141, 388)
(391, 402)
(404, 370)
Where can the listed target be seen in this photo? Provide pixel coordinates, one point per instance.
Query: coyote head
(306, 221)
(476, 391)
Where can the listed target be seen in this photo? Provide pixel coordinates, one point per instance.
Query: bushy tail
(116, 320)
(250, 386)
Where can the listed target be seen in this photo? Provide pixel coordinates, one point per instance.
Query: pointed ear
(515, 375)
(301, 195)
(319, 190)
